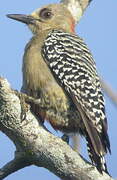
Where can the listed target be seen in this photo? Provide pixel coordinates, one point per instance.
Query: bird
(59, 69)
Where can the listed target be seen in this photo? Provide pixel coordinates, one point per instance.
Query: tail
(95, 132)
(97, 159)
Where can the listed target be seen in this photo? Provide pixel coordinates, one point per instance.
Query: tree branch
(13, 166)
(35, 145)
(109, 91)
(76, 7)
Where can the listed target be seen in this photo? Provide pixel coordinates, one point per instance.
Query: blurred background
(98, 27)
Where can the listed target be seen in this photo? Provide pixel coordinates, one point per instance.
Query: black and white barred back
(74, 69)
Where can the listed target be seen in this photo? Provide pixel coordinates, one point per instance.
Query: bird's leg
(28, 102)
(24, 106)
(65, 138)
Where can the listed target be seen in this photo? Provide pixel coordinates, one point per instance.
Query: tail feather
(105, 137)
(97, 159)
(95, 132)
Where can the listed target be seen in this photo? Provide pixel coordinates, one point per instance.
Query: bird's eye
(45, 13)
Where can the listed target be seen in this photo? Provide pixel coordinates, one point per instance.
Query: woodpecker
(58, 68)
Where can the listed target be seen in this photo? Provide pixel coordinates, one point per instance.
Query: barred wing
(74, 69)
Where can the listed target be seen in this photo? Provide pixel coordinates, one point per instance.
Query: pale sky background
(98, 27)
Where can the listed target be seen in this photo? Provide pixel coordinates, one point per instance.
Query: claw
(24, 105)
(65, 138)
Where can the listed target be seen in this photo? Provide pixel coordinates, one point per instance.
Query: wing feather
(74, 69)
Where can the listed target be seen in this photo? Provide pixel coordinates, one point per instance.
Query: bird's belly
(61, 112)
(56, 108)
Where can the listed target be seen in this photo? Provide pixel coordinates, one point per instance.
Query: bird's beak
(27, 19)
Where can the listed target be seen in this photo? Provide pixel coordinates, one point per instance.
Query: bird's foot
(24, 106)
(65, 138)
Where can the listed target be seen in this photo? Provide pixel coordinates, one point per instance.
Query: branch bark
(35, 145)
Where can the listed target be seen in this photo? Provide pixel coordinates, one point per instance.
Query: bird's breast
(38, 80)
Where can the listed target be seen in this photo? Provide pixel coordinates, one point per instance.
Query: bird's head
(53, 16)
